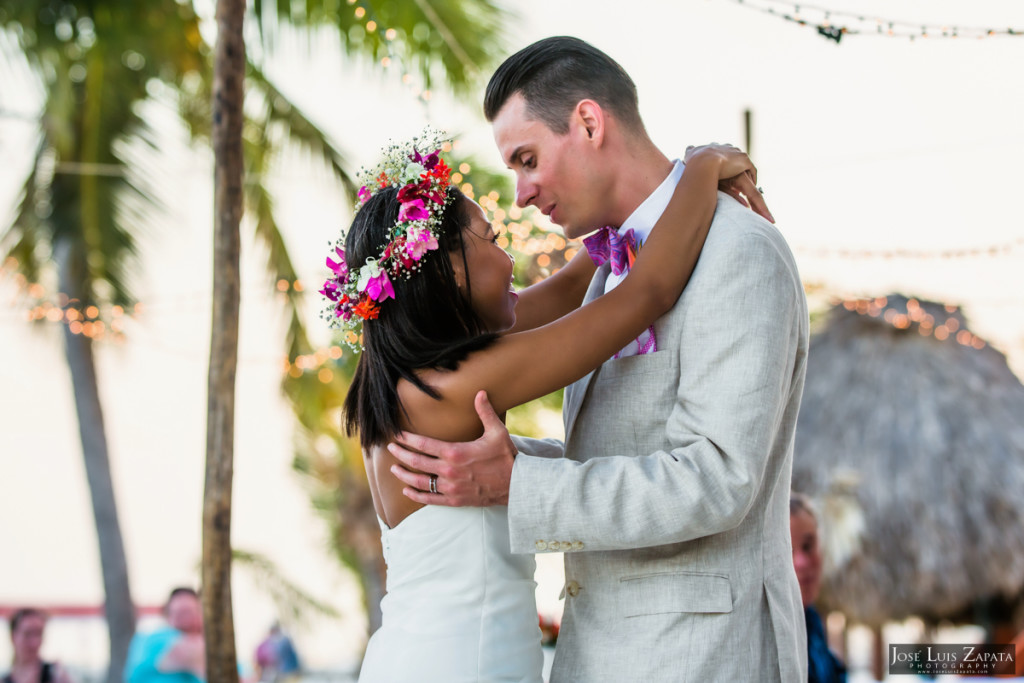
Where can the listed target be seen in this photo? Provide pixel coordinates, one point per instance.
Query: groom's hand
(473, 473)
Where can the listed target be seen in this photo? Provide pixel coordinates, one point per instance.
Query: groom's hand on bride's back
(472, 473)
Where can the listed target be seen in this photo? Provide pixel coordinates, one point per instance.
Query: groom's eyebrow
(514, 155)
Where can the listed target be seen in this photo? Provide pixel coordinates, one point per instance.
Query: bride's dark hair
(429, 324)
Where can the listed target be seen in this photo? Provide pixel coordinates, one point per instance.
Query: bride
(422, 287)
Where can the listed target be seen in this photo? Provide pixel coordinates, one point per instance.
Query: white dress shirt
(642, 220)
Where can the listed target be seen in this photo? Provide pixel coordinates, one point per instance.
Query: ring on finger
(433, 483)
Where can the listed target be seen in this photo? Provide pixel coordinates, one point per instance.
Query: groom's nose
(526, 192)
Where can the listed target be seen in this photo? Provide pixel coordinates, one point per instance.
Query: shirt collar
(642, 220)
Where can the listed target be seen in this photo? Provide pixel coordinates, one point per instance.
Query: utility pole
(747, 116)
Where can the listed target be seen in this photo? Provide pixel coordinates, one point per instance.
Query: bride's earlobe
(460, 276)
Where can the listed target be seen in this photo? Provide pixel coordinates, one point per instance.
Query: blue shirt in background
(822, 665)
(146, 651)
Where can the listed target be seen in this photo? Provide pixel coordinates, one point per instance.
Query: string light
(905, 315)
(88, 322)
(387, 37)
(858, 23)
(991, 251)
(942, 324)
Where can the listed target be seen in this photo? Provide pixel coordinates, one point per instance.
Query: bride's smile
(490, 273)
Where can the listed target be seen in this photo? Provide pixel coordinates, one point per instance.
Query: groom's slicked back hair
(554, 74)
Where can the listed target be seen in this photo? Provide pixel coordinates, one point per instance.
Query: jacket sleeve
(743, 332)
(540, 448)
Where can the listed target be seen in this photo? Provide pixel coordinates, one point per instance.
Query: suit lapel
(575, 392)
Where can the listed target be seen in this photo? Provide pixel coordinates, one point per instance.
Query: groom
(670, 495)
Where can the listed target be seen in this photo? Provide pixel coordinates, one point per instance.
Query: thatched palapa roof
(929, 420)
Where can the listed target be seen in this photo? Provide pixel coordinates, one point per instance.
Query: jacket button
(564, 545)
(541, 546)
(577, 545)
(572, 588)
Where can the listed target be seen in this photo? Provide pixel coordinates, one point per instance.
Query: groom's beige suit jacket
(671, 502)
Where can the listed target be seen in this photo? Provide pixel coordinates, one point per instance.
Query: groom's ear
(591, 119)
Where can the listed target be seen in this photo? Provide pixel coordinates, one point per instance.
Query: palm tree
(80, 206)
(90, 189)
(228, 119)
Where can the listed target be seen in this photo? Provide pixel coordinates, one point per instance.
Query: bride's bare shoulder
(449, 416)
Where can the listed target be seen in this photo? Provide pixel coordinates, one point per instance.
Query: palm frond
(299, 129)
(292, 602)
(280, 267)
(22, 237)
(454, 40)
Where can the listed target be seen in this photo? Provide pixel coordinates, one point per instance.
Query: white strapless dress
(460, 606)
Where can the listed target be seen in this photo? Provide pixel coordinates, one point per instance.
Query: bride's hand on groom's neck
(739, 179)
(469, 474)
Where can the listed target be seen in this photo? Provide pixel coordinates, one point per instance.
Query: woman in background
(822, 664)
(27, 627)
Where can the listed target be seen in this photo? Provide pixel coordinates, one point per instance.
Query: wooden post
(748, 115)
(878, 653)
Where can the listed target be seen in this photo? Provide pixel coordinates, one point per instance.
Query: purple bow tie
(608, 244)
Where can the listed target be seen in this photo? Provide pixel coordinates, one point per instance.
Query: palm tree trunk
(118, 606)
(229, 72)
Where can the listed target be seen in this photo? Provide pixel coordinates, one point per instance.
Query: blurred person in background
(823, 666)
(27, 627)
(174, 653)
(276, 659)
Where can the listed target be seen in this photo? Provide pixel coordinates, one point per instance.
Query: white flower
(413, 171)
(367, 273)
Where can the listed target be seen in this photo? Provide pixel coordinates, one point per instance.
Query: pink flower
(398, 254)
(413, 211)
(419, 240)
(413, 191)
(428, 162)
(364, 194)
(341, 268)
(344, 309)
(330, 290)
(374, 281)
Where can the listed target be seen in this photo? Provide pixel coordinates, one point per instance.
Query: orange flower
(382, 179)
(366, 309)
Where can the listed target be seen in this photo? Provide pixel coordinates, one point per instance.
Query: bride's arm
(520, 367)
(563, 292)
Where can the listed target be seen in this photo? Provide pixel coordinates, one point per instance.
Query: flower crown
(422, 176)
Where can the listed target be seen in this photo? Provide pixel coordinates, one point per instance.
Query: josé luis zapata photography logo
(949, 658)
